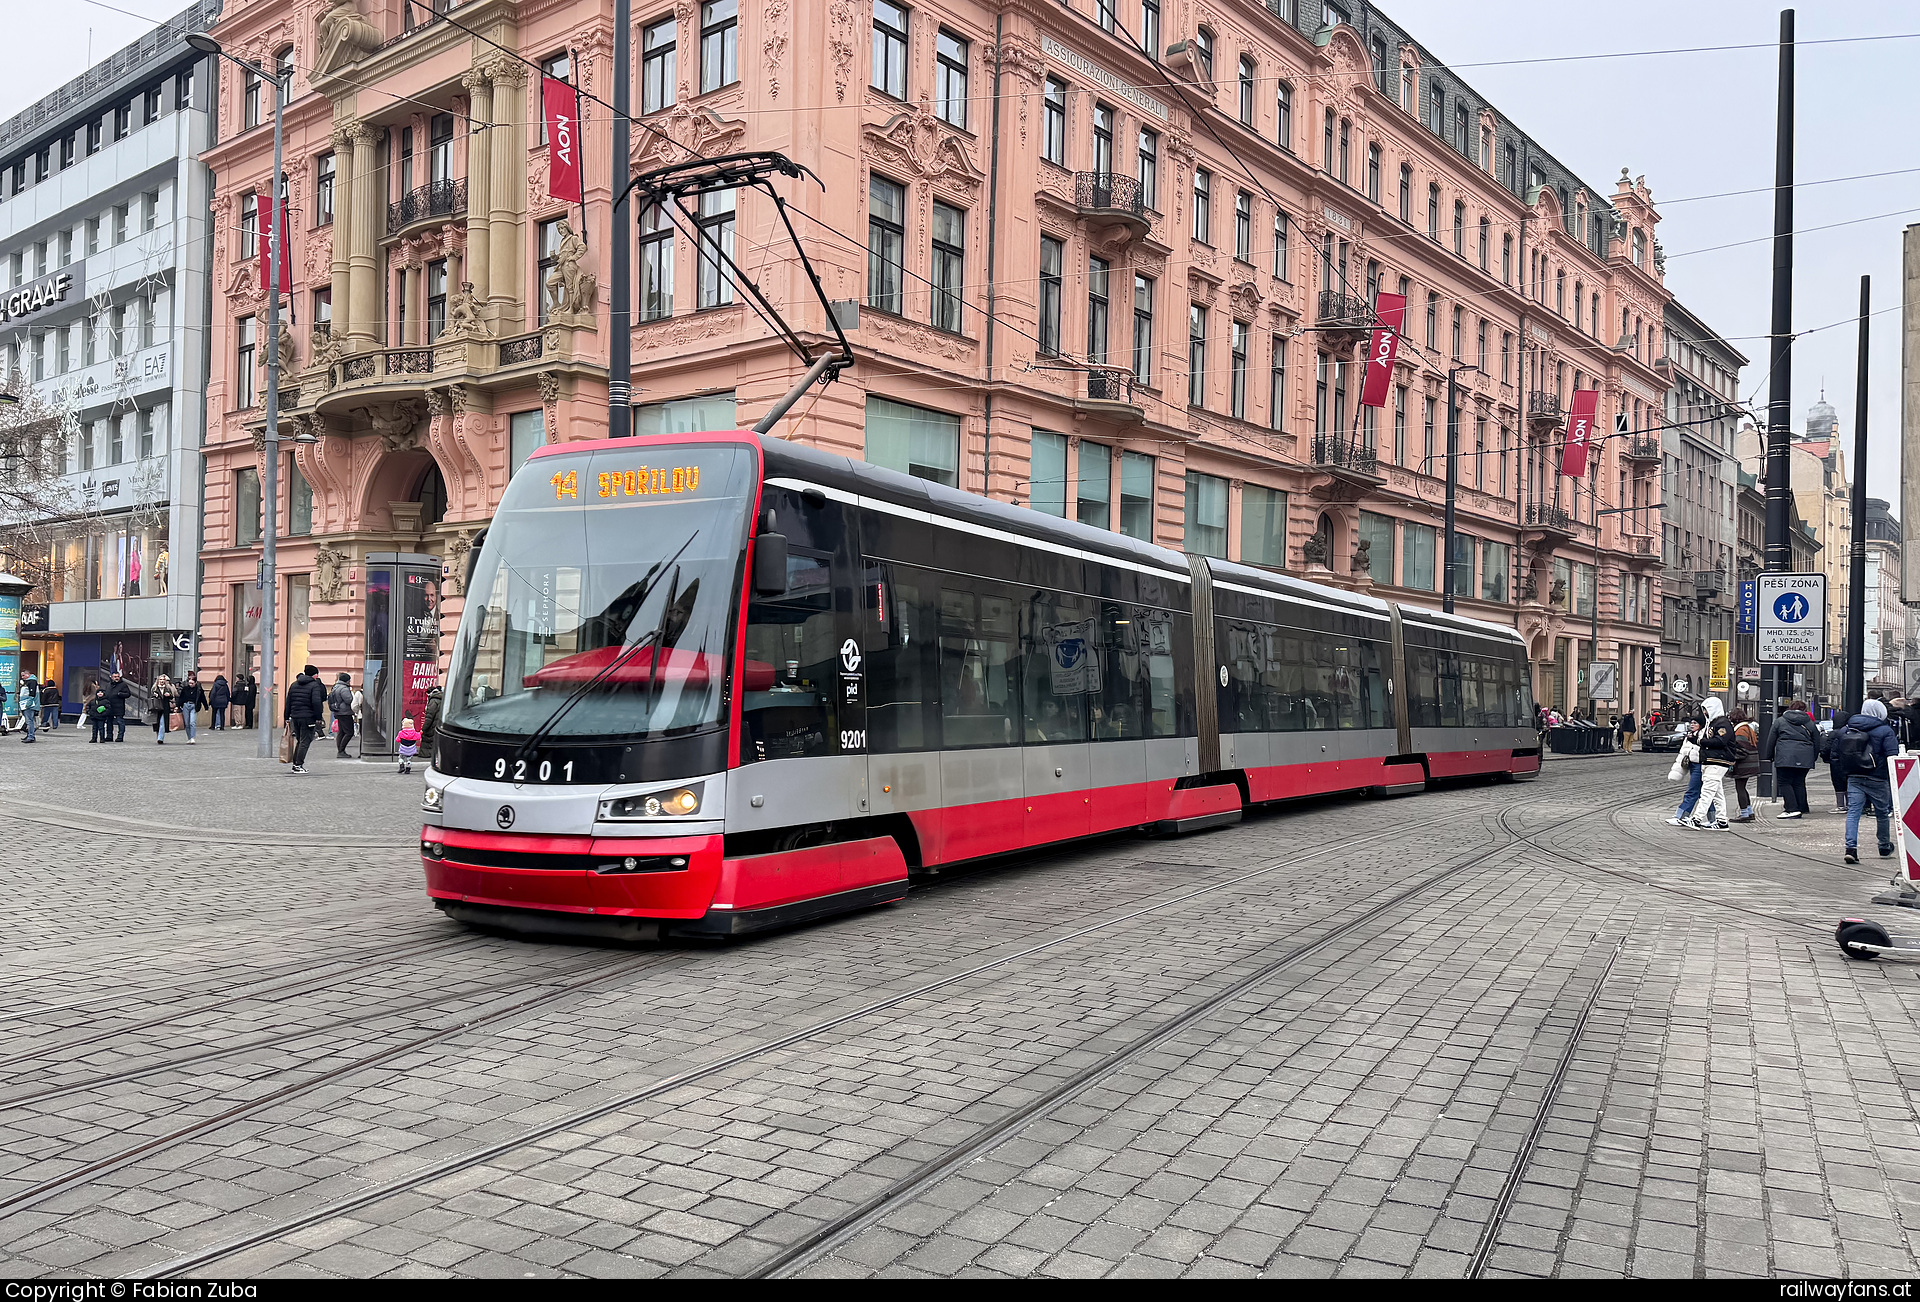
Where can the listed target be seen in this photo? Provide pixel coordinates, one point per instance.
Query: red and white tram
(707, 684)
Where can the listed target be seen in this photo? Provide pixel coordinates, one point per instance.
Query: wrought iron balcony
(1643, 447)
(1544, 407)
(1344, 311)
(1331, 451)
(1115, 198)
(438, 199)
(1110, 384)
(1543, 515)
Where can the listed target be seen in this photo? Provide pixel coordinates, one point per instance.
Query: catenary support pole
(1855, 690)
(1778, 464)
(1453, 443)
(619, 240)
(270, 481)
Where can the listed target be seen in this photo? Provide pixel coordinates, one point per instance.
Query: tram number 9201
(523, 771)
(853, 739)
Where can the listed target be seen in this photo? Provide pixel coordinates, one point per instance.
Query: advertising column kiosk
(403, 644)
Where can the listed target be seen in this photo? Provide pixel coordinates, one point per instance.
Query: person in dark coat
(305, 711)
(1746, 735)
(50, 705)
(1862, 748)
(246, 695)
(1794, 747)
(119, 692)
(218, 700)
(191, 698)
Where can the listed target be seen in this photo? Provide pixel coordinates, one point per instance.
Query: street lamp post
(1453, 446)
(270, 481)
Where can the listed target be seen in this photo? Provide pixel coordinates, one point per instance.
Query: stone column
(507, 196)
(366, 275)
(479, 180)
(342, 223)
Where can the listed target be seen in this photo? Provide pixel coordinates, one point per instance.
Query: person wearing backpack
(343, 703)
(1862, 749)
(1747, 734)
(1719, 752)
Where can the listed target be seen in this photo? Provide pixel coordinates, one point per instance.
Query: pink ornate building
(1124, 289)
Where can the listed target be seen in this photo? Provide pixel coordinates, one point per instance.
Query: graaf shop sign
(50, 290)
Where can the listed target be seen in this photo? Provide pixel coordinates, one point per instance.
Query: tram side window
(979, 687)
(793, 666)
(1423, 702)
(1060, 667)
(901, 666)
(1449, 666)
(1135, 674)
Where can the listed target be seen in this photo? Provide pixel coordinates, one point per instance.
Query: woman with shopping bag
(1687, 765)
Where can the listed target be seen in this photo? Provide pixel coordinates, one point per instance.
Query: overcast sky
(1692, 124)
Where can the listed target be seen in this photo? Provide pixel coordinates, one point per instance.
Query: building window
(1203, 50)
(1280, 259)
(93, 136)
(1436, 111)
(1150, 169)
(1433, 213)
(249, 106)
(1136, 495)
(719, 44)
(1283, 124)
(526, 430)
(1052, 261)
(1277, 384)
(1093, 498)
(1150, 27)
(299, 502)
(249, 226)
(716, 248)
(949, 266)
(1486, 239)
(1053, 145)
(1459, 229)
(1373, 173)
(1143, 330)
(560, 68)
(1263, 526)
(1099, 274)
(1480, 343)
(1202, 204)
(1406, 194)
(913, 440)
(1433, 321)
(886, 243)
(1400, 425)
(1243, 226)
(1427, 409)
(656, 265)
(183, 90)
(1103, 140)
(1417, 563)
(1639, 248)
(950, 79)
(246, 507)
(149, 109)
(658, 55)
(1454, 335)
(1206, 515)
(1104, 14)
(436, 298)
(1506, 358)
(890, 48)
(1196, 355)
(1408, 95)
(1237, 390)
(1376, 531)
(323, 190)
(1346, 148)
(1246, 91)
(712, 411)
(243, 360)
(1326, 145)
(323, 310)
(1047, 474)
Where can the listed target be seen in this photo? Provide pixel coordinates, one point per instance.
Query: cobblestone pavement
(1508, 1029)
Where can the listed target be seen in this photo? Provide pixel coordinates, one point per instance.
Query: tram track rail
(704, 1071)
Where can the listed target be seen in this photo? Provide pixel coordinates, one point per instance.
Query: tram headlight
(434, 801)
(679, 802)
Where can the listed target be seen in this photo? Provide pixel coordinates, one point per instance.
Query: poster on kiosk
(403, 645)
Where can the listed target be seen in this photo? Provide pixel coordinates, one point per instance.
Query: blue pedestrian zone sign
(1790, 627)
(1749, 599)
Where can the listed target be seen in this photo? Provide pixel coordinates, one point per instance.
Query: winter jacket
(431, 723)
(161, 703)
(1718, 745)
(306, 701)
(29, 698)
(1794, 742)
(222, 694)
(1881, 742)
(340, 701)
(1747, 736)
(117, 696)
(192, 694)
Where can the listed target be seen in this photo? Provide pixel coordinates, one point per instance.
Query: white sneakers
(1795, 814)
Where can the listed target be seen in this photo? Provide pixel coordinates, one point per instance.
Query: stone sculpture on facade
(463, 315)
(570, 286)
(330, 566)
(344, 35)
(1314, 550)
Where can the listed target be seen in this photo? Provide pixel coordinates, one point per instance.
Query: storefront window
(299, 627)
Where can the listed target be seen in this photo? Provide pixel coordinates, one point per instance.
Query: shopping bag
(286, 746)
(177, 721)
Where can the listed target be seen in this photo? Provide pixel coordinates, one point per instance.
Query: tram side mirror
(473, 560)
(769, 565)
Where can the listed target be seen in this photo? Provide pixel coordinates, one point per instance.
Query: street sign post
(1605, 679)
(1910, 674)
(1722, 652)
(1790, 619)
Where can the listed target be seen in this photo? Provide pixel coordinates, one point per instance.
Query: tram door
(1060, 692)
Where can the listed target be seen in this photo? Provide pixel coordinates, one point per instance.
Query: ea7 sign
(1790, 619)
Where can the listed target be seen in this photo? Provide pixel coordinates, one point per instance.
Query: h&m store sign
(37, 296)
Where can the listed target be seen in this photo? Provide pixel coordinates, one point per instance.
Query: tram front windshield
(603, 597)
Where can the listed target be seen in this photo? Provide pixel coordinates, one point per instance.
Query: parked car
(1664, 738)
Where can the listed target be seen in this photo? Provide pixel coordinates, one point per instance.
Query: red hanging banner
(1391, 309)
(270, 233)
(560, 103)
(1573, 461)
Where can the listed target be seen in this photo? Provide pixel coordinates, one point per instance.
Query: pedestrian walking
(1862, 748)
(1627, 728)
(160, 703)
(1793, 746)
(431, 723)
(29, 705)
(119, 692)
(99, 715)
(193, 699)
(406, 744)
(1746, 735)
(247, 695)
(343, 703)
(1837, 776)
(1719, 752)
(50, 705)
(218, 700)
(306, 706)
(1687, 762)
(1905, 722)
